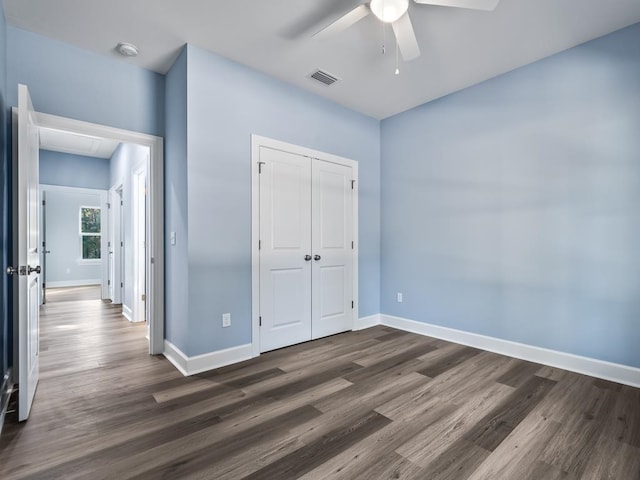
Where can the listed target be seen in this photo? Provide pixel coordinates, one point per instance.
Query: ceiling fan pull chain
(397, 62)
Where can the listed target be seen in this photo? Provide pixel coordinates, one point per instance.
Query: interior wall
(126, 159)
(226, 103)
(175, 189)
(64, 266)
(68, 81)
(69, 170)
(510, 209)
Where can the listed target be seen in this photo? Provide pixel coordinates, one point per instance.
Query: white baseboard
(614, 372)
(127, 313)
(367, 322)
(74, 283)
(208, 361)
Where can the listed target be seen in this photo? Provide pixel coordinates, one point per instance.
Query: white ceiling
(459, 47)
(76, 144)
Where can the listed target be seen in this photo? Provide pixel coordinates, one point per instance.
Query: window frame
(89, 261)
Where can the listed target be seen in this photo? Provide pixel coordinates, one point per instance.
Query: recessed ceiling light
(127, 49)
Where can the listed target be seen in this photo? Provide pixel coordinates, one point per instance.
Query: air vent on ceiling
(324, 77)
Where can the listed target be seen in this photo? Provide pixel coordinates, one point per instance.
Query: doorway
(304, 209)
(153, 254)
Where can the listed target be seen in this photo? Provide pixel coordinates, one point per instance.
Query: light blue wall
(68, 170)
(64, 266)
(67, 81)
(227, 102)
(510, 209)
(176, 259)
(127, 159)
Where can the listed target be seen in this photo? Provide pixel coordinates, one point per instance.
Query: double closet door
(306, 248)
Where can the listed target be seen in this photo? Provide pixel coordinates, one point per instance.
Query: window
(90, 233)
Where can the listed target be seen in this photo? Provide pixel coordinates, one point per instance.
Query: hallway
(89, 356)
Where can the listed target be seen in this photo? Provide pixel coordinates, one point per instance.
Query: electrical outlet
(226, 319)
(399, 297)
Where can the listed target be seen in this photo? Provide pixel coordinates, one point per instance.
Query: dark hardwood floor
(373, 404)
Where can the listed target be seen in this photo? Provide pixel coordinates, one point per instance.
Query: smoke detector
(127, 49)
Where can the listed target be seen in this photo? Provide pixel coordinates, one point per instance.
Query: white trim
(208, 361)
(367, 322)
(139, 229)
(258, 141)
(155, 250)
(614, 372)
(74, 283)
(127, 313)
(76, 190)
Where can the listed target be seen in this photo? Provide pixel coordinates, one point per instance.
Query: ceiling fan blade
(406, 38)
(345, 21)
(471, 4)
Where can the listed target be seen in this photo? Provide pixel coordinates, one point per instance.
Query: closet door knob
(317, 257)
(307, 258)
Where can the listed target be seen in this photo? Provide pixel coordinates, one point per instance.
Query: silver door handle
(317, 257)
(307, 258)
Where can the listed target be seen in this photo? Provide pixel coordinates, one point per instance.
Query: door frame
(155, 172)
(139, 210)
(258, 141)
(115, 242)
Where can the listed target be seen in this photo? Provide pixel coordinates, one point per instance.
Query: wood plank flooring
(72, 294)
(373, 404)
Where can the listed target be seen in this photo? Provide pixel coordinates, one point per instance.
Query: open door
(27, 267)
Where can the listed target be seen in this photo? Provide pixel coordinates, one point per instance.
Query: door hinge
(259, 244)
(122, 244)
(260, 166)
(352, 245)
(108, 282)
(143, 297)
(108, 205)
(121, 284)
(260, 320)
(352, 304)
(44, 202)
(353, 182)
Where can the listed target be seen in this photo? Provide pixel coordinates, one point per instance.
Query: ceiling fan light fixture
(389, 10)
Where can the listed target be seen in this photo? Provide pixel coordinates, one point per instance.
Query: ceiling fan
(395, 12)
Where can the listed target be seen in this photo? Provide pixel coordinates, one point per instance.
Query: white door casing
(334, 243)
(155, 244)
(28, 256)
(285, 250)
(139, 207)
(115, 244)
(332, 213)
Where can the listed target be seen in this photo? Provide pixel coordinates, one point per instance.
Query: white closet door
(332, 236)
(285, 236)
